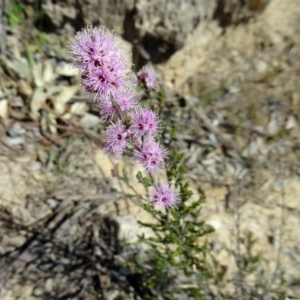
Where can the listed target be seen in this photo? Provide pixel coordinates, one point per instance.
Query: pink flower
(106, 79)
(107, 108)
(144, 122)
(109, 105)
(162, 195)
(102, 61)
(126, 100)
(151, 155)
(116, 135)
(147, 76)
(83, 49)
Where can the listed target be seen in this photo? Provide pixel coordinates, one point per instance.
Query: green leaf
(30, 58)
(174, 131)
(14, 14)
(60, 52)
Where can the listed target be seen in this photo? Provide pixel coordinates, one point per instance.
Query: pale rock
(79, 108)
(67, 116)
(38, 292)
(22, 291)
(20, 67)
(69, 12)
(3, 109)
(37, 72)
(260, 65)
(273, 126)
(116, 185)
(24, 88)
(35, 166)
(129, 229)
(256, 146)
(16, 129)
(53, 11)
(210, 58)
(282, 17)
(39, 98)
(233, 89)
(12, 241)
(105, 163)
(61, 99)
(65, 69)
(287, 194)
(17, 102)
(48, 73)
(15, 182)
(49, 285)
(90, 121)
(258, 129)
(21, 215)
(14, 141)
(251, 150)
(291, 123)
(49, 121)
(113, 295)
(52, 203)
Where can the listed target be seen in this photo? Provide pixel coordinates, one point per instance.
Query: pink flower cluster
(105, 69)
(147, 77)
(162, 195)
(101, 60)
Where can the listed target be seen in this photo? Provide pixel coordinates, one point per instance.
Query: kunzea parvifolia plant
(136, 130)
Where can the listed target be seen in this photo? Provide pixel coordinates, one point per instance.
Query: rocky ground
(233, 88)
